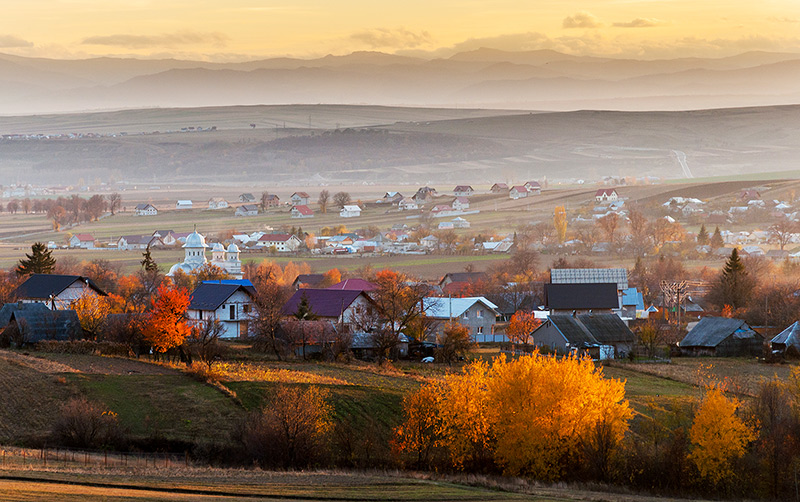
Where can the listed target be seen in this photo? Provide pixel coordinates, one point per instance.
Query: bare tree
(265, 325)
(324, 199)
(114, 202)
(204, 341)
(609, 224)
(783, 231)
(341, 199)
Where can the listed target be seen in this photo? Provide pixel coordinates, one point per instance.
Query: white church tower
(194, 254)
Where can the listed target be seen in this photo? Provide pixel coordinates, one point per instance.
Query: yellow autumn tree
(718, 436)
(92, 311)
(560, 224)
(417, 434)
(545, 410)
(521, 327)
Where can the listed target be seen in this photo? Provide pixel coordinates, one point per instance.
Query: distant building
(217, 203)
(602, 336)
(229, 302)
(284, 243)
(145, 210)
(300, 199)
(183, 204)
(460, 204)
(407, 204)
(56, 291)
(168, 237)
(476, 313)
(246, 210)
(499, 188)
(129, 242)
(247, 198)
(301, 212)
(391, 198)
(606, 195)
(83, 241)
(350, 211)
(518, 192)
(272, 200)
(722, 337)
(533, 187)
(463, 191)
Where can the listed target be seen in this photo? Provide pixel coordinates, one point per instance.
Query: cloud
(582, 19)
(163, 40)
(640, 22)
(398, 38)
(9, 41)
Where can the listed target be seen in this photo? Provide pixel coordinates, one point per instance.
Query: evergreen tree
(734, 285)
(304, 312)
(716, 239)
(702, 236)
(39, 261)
(148, 263)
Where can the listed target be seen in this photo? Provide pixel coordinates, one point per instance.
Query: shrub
(83, 424)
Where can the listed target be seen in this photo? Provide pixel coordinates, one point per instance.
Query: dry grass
(36, 363)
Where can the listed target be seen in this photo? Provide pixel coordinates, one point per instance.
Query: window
(200, 314)
(466, 314)
(479, 313)
(232, 312)
(246, 308)
(480, 330)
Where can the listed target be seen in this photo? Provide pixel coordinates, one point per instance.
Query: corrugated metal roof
(607, 328)
(444, 308)
(576, 333)
(789, 336)
(589, 275)
(37, 325)
(323, 302)
(210, 295)
(581, 296)
(710, 331)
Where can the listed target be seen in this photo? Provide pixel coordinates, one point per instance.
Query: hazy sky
(245, 29)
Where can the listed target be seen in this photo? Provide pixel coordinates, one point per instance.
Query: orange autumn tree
(331, 277)
(167, 327)
(417, 435)
(521, 327)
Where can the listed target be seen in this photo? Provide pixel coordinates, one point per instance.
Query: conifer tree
(734, 285)
(39, 261)
(148, 263)
(716, 239)
(702, 236)
(304, 312)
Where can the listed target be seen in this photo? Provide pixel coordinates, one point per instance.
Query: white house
(168, 237)
(463, 191)
(183, 204)
(246, 210)
(217, 203)
(301, 212)
(145, 210)
(83, 241)
(300, 198)
(56, 291)
(128, 242)
(460, 204)
(476, 313)
(284, 243)
(407, 204)
(533, 187)
(518, 192)
(229, 302)
(460, 222)
(606, 194)
(350, 211)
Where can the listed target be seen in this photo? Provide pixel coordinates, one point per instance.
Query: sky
(237, 30)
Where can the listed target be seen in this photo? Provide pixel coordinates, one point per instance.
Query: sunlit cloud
(582, 20)
(398, 38)
(163, 40)
(640, 22)
(11, 41)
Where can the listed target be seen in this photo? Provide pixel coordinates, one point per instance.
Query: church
(195, 256)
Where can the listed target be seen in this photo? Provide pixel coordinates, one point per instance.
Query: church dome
(233, 248)
(195, 240)
(217, 247)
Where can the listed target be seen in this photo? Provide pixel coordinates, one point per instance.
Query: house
(300, 199)
(246, 210)
(590, 275)
(365, 347)
(749, 195)
(391, 198)
(168, 237)
(129, 242)
(407, 204)
(424, 194)
(722, 337)
(777, 254)
(271, 200)
(350, 211)
(55, 291)
(460, 204)
(354, 284)
(786, 340)
(603, 336)
(341, 240)
(284, 243)
(446, 225)
(581, 298)
(301, 212)
(632, 304)
(463, 191)
(533, 187)
(606, 195)
(459, 222)
(476, 313)
(429, 242)
(229, 302)
(145, 210)
(83, 241)
(308, 281)
(499, 188)
(441, 208)
(217, 203)
(183, 204)
(338, 306)
(247, 198)
(517, 192)
(26, 324)
(457, 283)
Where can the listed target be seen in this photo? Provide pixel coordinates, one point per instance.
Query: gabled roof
(462, 200)
(301, 194)
(84, 237)
(607, 328)
(163, 233)
(500, 186)
(354, 285)
(137, 239)
(323, 302)
(589, 275)
(10, 308)
(248, 207)
(42, 286)
(142, 207)
(209, 295)
(464, 276)
(604, 191)
(789, 336)
(37, 324)
(275, 237)
(576, 333)
(311, 279)
(581, 296)
(351, 207)
(443, 308)
(710, 331)
(247, 196)
(303, 209)
(519, 188)
(632, 297)
(462, 188)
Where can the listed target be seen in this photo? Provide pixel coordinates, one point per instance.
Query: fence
(13, 457)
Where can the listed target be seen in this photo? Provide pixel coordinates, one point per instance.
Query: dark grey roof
(710, 331)
(42, 286)
(310, 279)
(210, 295)
(323, 302)
(581, 296)
(9, 308)
(576, 333)
(607, 328)
(37, 325)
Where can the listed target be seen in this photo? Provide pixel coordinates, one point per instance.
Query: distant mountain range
(488, 78)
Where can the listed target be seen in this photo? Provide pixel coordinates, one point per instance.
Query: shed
(722, 337)
(36, 324)
(790, 337)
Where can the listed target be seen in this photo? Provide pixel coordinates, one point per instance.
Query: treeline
(67, 210)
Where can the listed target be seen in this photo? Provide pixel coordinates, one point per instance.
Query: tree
(27, 205)
(39, 261)
(398, 301)
(637, 224)
(609, 224)
(777, 425)
(324, 199)
(204, 340)
(716, 239)
(268, 305)
(454, 341)
(521, 327)
(264, 201)
(95, 206)
(663, 230)
(733, 285)
(702, 236)
(114, 202)
(148, 263)
(649, 336)
(331, 277)
(783, 232)
(718, 436)
(341, 199)
(417, 434)
(304, 312)
(167, 327)
(13, 206)
(92, 311)
(560, 224)
(210, 272)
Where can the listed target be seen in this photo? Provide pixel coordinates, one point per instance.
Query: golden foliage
(521, 326)
(718, 436)
(92, 312)
(560, 224)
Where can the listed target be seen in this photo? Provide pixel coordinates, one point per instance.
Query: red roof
(354, 285)
(604, 191)
(275, 238)
(441, 207)
(305, 210)
(301, 194)
(84, 237)
(519, 188)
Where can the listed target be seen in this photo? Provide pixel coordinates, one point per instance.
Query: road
(682, 159)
